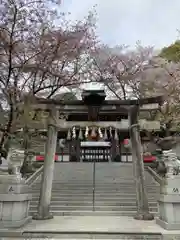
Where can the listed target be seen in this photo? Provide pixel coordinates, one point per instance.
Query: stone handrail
(178, 161)
(155, 175)
(34, 176)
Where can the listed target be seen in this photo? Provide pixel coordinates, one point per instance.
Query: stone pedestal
(14, 201)
(169, 204)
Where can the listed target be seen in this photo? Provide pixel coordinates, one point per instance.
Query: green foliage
(172, 52)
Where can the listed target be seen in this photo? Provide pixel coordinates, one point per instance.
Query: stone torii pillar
(48, 171)
(138, 167)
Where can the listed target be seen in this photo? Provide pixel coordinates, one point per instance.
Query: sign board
(95, 144)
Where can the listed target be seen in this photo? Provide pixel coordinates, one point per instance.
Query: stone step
(98, 176)
(85, 186)
(97, 208)
(88, 178)
(90, 213)
(98, 172)
(119, 172)
(98, 197)
(96, 193)
(97, 203)
(90, 236)
(103, 172)
(112, 189)
(87, 198)
(99, 185)
(89, 201)
(122, 237)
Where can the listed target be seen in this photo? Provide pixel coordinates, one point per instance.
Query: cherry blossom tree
(166, 77)
(120, 69)
(40, 52)
(140, 73)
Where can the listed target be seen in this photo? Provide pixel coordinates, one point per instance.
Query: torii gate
(55, 117)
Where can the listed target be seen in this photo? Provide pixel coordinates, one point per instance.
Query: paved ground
(89, 224)
(93, 223)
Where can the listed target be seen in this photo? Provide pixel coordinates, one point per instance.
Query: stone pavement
(92, 223)
(89, 224)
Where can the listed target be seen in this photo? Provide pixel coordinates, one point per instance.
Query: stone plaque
(176, 190)
(10, 189)
(170, 190)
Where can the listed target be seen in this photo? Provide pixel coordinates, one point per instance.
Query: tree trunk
(4, 143)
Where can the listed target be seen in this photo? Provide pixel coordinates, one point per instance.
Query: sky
(152, 22)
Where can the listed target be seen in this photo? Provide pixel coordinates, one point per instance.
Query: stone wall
(38, 146)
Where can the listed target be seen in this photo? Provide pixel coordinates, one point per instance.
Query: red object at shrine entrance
(126, 143)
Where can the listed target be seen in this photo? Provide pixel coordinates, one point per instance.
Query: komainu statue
(170, 165)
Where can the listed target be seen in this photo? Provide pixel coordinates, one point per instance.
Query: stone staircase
(114, 190)
(98, 236)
